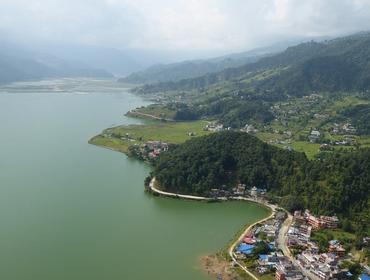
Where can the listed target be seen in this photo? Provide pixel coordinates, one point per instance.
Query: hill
(196, 68)
(336, 184)
(297, 70)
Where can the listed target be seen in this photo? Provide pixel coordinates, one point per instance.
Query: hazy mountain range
(40, 60)
(332, 65)
(195, 68)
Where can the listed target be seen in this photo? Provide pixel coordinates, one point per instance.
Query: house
(245, 249)
(315, 133)
(348, 128)
(254, 192)
(280, 275)
(214, 127)
(364, 276)
(336, 248)
(322, 221)
(239, 190)
(314, 136)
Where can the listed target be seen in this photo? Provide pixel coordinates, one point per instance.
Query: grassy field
(121, 137)
(155, 110)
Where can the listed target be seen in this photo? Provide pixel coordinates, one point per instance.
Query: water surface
(72, 211)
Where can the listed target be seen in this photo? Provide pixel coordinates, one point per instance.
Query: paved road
(190, 197)
(282, 245)
(282, 237)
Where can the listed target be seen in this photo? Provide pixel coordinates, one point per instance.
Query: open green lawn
(111, 143)
(121, 137)
(155, 110)
(310, 149)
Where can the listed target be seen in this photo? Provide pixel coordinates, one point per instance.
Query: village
(288, 252)
(148, 151)
(269, 249)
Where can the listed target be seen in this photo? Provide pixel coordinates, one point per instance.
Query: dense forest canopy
(337, 183)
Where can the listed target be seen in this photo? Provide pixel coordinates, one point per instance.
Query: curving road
(282, 236)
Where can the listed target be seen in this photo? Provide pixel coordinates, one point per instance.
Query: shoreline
(230, 251)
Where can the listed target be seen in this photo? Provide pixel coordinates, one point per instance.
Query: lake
(72, 211)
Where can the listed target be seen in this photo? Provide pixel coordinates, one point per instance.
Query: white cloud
(180, 24)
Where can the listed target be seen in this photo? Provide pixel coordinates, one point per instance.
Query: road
(232, 247)
(283, 246)
(190, 197)
(282, 237)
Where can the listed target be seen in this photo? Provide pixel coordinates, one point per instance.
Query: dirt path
(150, 116)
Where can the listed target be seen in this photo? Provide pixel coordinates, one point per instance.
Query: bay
(69, 210)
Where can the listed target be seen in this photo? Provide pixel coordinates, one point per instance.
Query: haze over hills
(339, 64)
(195, 68)
(19, 64)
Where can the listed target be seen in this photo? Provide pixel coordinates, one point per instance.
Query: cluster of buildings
(286, 270)
(346, 128)
(215, 127)
(254, 192)
(154, 148)
(249, 128)
(323, 266)
(239, 191)
(310, 261)
(316, 222)
(150, 150)
(273, 261)
(320, 266)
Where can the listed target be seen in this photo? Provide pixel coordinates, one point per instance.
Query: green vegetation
(338, 183)
(122, 137)
(336, 65)
(359, 116)
(154, 110)
(196, 68)
(323, 236)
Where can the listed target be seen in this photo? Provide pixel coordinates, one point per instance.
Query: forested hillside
(340, 64)
(196, 68)
(338, 183)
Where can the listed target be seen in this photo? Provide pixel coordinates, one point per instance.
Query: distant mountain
(195, 68)
(18, 64)
(339, 64)
(120, 62)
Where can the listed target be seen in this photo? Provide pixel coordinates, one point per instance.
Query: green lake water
(72, 211)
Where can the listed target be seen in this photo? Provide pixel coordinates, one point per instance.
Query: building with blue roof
(245, 249)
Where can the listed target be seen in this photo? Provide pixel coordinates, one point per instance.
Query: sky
(215, 25)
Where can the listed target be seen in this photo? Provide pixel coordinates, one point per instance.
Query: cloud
(180, 24)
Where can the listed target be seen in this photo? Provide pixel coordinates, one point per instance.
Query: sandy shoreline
(215, 266)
